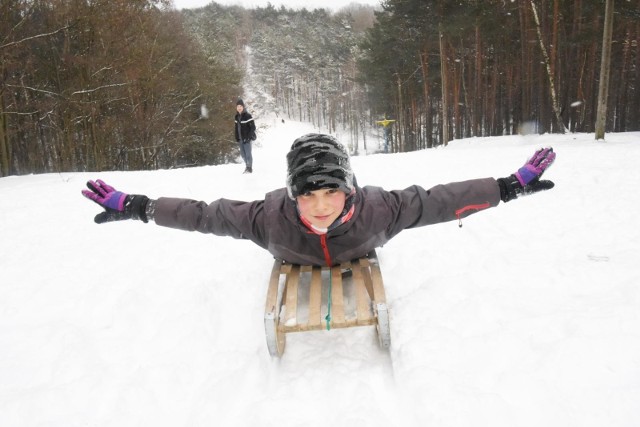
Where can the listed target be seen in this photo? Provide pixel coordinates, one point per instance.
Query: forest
(108, 85)
(136, 85)
(486, 68)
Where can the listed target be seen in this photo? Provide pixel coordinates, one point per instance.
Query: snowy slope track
(529, 315)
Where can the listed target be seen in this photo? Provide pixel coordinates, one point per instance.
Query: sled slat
(285, 268)
(362, 298)
(315, 299)
(378, 287)
(366, 276)
(292, 295)
(337, 298)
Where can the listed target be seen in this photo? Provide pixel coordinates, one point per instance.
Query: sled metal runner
(298, 296)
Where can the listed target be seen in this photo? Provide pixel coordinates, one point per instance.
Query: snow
(528, 315)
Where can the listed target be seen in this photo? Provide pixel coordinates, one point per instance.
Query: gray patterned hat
(318, 161)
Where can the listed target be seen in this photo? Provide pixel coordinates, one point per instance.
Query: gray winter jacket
(379, 215)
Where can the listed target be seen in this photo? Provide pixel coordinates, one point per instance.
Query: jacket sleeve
(240, 220)
(417, 207)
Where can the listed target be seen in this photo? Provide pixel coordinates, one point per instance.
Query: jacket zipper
(325, 249)
(479, 207)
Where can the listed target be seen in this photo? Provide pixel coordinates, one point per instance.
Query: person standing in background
(245, 129)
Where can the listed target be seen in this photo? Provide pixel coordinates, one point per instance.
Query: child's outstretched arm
(117, 205)
(527, 179)
(223, 217)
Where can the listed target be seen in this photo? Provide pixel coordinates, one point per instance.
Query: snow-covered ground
(528, 315)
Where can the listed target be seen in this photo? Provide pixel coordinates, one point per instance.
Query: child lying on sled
(323, 217)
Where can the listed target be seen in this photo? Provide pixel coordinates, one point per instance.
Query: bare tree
(445, 87)
(605, 66)
(550, 74)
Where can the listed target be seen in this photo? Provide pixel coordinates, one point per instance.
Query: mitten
(527, 179)
(117, 205)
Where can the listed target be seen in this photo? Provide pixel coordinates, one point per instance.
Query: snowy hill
(528, 315)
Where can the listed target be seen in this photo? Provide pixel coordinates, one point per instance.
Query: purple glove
(527, 180)
(105, 195)
(535, 167)
(117, 205)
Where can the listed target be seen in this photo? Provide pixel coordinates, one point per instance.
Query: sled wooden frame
(284, 299)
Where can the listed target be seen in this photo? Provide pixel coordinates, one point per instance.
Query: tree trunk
(4, 141)
(401, 129)
(424, 60)
(605, 63)
(457, 121)
(552, 88)
(443, 76)
(477, 82)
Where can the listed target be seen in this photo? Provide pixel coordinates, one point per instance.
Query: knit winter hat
(318, 161)
(240, 102)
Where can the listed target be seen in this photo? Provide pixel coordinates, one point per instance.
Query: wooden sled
(297, 300)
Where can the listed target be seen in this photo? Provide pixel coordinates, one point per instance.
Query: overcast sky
(298, 4)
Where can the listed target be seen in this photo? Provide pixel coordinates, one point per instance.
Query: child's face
(321, 207)
(239, 108)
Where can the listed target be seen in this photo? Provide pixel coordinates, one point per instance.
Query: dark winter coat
(379, 215)
(245, 126)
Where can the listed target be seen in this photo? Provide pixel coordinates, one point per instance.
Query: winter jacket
(245, 126)
(274, 224)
